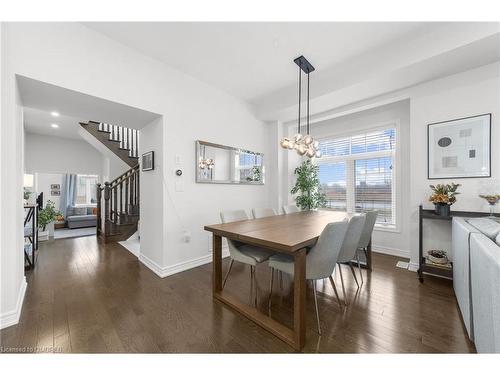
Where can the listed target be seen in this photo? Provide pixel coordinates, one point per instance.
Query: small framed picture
(55, 187)
(459, 148)
(55, 193)
(148, 161)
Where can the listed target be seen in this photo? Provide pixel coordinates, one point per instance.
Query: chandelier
(206, 163)
(303, 144)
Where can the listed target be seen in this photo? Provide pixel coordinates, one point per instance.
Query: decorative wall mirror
(218, 164)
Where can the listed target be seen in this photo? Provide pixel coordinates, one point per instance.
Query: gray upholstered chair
(290, 209)
(350, 247)
(320, 260)
(366, 236)
(263, 212)
(242, 253)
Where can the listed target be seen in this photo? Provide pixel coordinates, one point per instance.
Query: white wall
(42, 185)
(469, 93)
(74, 57)
(46, 154)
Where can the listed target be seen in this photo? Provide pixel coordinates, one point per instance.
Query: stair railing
(128, 138)
(121, 199)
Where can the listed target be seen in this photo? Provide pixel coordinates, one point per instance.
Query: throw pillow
(79, 211)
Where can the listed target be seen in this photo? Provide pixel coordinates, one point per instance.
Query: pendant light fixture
(303, 144)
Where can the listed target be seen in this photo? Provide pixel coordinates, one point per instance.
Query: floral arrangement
(491, 199)
(444, 194)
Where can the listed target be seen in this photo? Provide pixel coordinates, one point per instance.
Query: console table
(429, 268)
(31, 234)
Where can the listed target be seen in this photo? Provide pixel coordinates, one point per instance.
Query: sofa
(81, 217)
(476, 279)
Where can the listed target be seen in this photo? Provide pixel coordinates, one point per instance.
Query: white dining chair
(263, 212)
(288, 209)
(320, 261)
(366, 236)
(350, 247)
(246, 254)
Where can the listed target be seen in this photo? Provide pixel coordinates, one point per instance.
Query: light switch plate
(179, 186)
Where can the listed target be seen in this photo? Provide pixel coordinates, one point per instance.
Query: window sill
(386, 228)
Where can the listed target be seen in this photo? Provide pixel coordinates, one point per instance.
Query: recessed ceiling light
(55, 126)
(55, 114)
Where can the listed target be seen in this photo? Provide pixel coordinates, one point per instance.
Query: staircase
(123, 142)
(118, 200)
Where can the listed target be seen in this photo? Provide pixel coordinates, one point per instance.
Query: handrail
(124, 173)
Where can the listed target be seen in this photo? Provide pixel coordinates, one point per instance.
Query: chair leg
(316, 306)
(227, 274)
(281, 280)
(342, 282)
(354, 274)
(254, 283)
(335, 290)
(359, 267)
(270, 290)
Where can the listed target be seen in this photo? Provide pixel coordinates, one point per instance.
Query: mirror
(218, 164)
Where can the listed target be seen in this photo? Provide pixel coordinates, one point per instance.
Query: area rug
(77, 232)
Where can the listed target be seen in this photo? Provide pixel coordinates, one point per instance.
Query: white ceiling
(251, 60)
(40, 99)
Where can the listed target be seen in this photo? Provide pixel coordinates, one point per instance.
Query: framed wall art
(459, 148)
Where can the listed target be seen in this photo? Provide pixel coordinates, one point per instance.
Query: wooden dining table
(288, 234)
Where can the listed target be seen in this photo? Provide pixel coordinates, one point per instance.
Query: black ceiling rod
(308, 103)
(300, 97)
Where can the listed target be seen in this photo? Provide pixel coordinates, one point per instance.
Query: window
(86, 193)
(356, 173)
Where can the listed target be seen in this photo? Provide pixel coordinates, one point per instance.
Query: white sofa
(476, 279)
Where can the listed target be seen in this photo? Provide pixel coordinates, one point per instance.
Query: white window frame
(350, 172)
(88, 192)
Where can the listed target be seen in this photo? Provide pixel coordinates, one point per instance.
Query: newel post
(107, 199)
(98, 211)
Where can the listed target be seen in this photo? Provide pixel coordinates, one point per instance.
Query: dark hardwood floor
(87, 296)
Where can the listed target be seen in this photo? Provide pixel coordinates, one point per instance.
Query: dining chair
(366, 236)
(288, 209)
(263, 212)
(246, 254)
(320, 261)
(350, 247)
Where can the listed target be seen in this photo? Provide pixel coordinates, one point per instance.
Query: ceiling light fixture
(303, 144)
(54, 114)
(55, 126)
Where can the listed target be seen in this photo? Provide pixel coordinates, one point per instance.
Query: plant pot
(43, 235)
(437, 260)
(442, 209)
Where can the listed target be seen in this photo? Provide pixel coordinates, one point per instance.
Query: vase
(442, 209)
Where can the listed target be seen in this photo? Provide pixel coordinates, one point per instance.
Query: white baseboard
(11, 318)
(179, 267)
(391, 251)
(133, 246)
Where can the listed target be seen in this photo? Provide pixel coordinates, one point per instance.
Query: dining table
(290, 234)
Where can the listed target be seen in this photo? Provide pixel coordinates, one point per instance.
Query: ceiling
(40, 99)
(252, 60)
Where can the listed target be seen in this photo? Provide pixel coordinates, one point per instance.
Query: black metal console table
(31, 234)
(424, 266)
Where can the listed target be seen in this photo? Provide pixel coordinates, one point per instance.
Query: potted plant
(307, 187)
(443, 196)
(45, 217)
(492, 200)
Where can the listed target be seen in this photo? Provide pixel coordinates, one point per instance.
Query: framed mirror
(219, 164)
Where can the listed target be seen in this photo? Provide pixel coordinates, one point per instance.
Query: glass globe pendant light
(303, 144)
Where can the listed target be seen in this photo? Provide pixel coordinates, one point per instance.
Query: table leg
(299, 299)
(217, 263)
